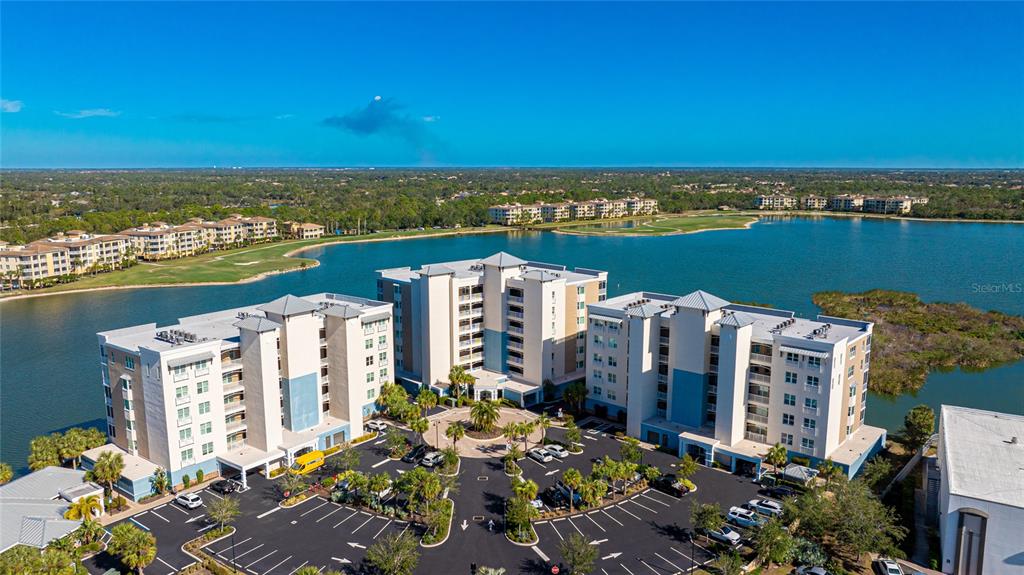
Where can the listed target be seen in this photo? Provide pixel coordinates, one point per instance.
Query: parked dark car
(416, 455)
(225, 486)
(670, 484)
(554, 497)
(780, 492)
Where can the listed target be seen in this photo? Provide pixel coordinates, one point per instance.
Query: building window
(789, 399)
(810, 403)
(790, 377)
(792, 357)
(369, 360)
(111, 431)
(206, 428)
(369, 377)
(612, 343)
(382, 341)
(612, 362)
(110, 412)
(207, 448)
(853, 390)
(598, 340)
(129, 362)
(181, 392)
(611, 394)
(787, 419)
(183, 413)
(180, 372)
(596, 391)
(597, 374)
(368, 344)
(204, 408)
(186, 455)
(612, 378)
(580, 290)
(127, 405)
(202, 387)
(814, 362)
(203, 367)
(384, 374)
(786, 439)
(382, 356)
(126, 385)
(185, 434)
(810, 423)
(812, 380)
(371, 393)
(807, 443)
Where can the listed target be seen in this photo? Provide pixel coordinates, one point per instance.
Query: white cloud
(284, 116)
(431, 118)
(10, 106)
(89, 113)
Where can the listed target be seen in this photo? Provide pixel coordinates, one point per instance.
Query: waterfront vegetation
(912, 338)
(661, 226)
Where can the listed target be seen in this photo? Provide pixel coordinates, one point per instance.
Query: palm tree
(484, 414)
(525, 489)
(511, 432)
(136, 548)
(455, 432)
(776, 456)
(458, 379)
(543, 421)
(377, 483)
(85, 508)
(419, 425)
(6, 473)
(223, 511)
(394, 554)
(291, 484)
(426, 400)
(511, 456)
(828, 471)
(44, 451)
(525, 429)
(108, 468)
(71, 445)
(160, 482)
(572, 479)
(90, 531)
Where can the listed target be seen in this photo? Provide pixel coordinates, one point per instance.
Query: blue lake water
(49, 371)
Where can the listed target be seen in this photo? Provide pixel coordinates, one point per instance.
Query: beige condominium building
(515, 214)
(511, 323)
(775, 202)
(91, 251)
(160, 240)
(892, 204)
(33, 262)
(724, 382)
(846, 203)
(813, 202)
(305, 231)
(245, 388)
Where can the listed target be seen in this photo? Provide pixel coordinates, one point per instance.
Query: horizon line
(525, 167)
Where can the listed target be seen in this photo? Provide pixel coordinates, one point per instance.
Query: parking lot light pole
(234, 564)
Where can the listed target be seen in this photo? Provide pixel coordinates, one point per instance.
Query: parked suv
(416, 454)
(670, 484)
(376, 425)
(431, 459)
(225, 486)
(189, 500)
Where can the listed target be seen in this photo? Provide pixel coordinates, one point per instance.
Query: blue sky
(535, 84)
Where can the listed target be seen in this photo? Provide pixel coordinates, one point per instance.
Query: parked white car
(726, 535)
(887, 567)
(557, 450)
(377, 425)
(744, 517)
(765, 507)
(431, 459)
(189, 500)
(540, 454)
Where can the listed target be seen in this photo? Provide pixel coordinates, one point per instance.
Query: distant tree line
(37, 204)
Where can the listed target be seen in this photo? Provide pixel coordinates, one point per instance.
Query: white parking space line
(537, 462)
(678, 568)
(368, 519)
(335, 510)
(265, 513)
(210, 492)
(276, 566)
(612, 518)
(594, 522)
(660, 494)
(151, 512)
(540, 553)
(174, 507)
(136, 521)
(655, 571)
(228, 548)
(261, 559)
(379, 463)
(313, 509)
(407, 524)
(574, 526)
(249, 551)
(627, 569)
(382, 529)
(640, 504)
(299, 567)
(168, 564)
(619, 507)
(556, 531)
(658, 501)
(354, 513)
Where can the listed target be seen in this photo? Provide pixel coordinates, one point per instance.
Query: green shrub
(328, 482)
(199, 476)
(186, 481)
(800, 460)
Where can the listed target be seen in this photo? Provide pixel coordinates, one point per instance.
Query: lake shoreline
(260, 276)
(569, 232)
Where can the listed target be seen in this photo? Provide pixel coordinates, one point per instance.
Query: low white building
(981, 491)
(32, 507)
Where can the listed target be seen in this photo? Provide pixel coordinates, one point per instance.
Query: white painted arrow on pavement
(610, 556)
(196, 518)
(356, 545)
(342, 561)
(464, 525)
(552, 472)
(598, 541)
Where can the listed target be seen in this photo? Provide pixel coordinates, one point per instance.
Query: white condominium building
(516, 214)
(243, 388)
(892, 204)
(513, 324)
(775, 202)
(723, 382)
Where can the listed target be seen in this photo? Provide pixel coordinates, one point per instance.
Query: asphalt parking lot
(647, 533)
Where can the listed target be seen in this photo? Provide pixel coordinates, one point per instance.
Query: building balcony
(184, 421)
(812, 388)
(515, 360)
(760, 378)
(713, 368)
(515, 299)
(761, 358)
(755, 418)
(809, 431)
(662, 378)
(758, 437)
(663, 359)
(475, 341)
(712, 389)
(663, 339)
(515, 345)
(714, 349)
(185, 442)
(234, 426)
(229, 366)
(182, 400)
(758, 397)
(515, 314)
(810, 410)
(234, 407)
(515, 330)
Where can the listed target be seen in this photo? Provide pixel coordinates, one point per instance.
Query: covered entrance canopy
(247, 458)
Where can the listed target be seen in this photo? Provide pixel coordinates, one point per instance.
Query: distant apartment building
(813, 202)
(515, 214)
(899, 205)
(980, 491)
(87, 252)
(160, 240)
(248, 387)
(723, 382)
(511, 323)
(33, 262)
(775, 202)
(305, 231)
(846, 203)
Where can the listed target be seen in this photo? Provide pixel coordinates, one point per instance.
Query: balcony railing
(515, 314)
(758, 437)
(232, 365)
(185, 442)
(758, 397)
(757, 418)
(662, 339)
(761, 358)
(184, 421)
(760, 377)
(515, 330)
(515, 299)
(809, 431)
(233, 406)
(662, 358)
(471, 342)
(812, 388)
(182, 400)
(662, 378)
(515, 345)
(810, 410)
(515, 360)
(713, 368)
(714, 349)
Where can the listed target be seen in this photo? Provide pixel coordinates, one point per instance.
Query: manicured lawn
(230, 265)
(666, 225)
